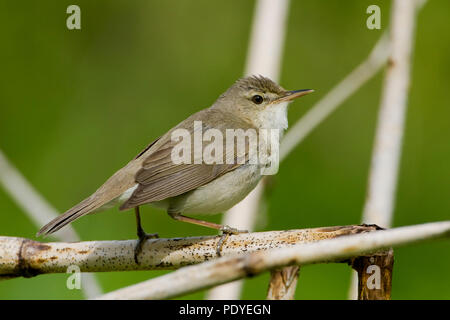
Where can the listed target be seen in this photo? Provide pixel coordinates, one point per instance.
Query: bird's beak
(291, 95)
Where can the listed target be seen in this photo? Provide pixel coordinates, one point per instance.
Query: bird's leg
(141, 235)
(225, 230)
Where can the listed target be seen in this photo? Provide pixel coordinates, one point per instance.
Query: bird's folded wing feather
(160, 178)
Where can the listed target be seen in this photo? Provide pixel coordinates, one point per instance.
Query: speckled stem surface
(27, 258)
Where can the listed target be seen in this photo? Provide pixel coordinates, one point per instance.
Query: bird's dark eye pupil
(257, 99)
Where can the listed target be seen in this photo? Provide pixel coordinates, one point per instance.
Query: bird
(251, 104)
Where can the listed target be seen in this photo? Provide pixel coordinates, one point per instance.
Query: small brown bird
(153, 177)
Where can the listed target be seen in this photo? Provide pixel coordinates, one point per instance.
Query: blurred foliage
(77, 105)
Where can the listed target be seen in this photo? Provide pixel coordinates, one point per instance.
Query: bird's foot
(142, 238)
(225, 232)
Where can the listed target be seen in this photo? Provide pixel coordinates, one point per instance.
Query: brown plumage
(153, 177)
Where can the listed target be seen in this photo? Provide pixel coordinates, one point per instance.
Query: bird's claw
(225, 232)
(229, 230)
(142, 238)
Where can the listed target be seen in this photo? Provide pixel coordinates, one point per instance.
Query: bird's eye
(257, 99)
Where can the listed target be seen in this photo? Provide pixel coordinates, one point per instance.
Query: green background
(77, 105)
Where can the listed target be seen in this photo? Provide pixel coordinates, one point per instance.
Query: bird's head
(259, 100)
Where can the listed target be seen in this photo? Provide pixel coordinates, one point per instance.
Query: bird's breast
(220, 194)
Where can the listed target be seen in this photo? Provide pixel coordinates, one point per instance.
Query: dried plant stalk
(24, 257)
(374, 275)
(283, 283)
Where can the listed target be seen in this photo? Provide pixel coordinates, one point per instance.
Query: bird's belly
(220, 194)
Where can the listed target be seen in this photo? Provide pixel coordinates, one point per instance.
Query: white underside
(220, 194)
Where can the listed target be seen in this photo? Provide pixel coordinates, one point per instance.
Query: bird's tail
(84, 207)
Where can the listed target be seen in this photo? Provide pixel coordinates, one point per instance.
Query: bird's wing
(160, 178)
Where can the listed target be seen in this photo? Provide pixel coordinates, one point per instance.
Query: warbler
(154, 177)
